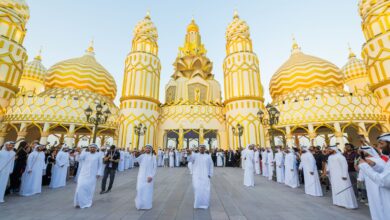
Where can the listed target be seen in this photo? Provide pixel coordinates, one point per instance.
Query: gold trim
(125, 98)
(242, 98)
(380, 84)
(9, 86)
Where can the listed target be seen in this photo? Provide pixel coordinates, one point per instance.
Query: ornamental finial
(39, 55)
(235, 15)
(295, 46)
(147, 16)
(351, 53)
(91, 49)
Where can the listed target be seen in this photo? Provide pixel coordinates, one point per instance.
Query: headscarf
(370, 150)
(94, 145)
(384, 137)
(149, 146)
(304, 147)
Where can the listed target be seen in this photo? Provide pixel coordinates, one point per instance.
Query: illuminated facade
(318, 102)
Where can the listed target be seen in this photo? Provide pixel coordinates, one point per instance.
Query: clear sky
(64, 28)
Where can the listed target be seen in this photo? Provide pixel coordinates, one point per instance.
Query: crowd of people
(358, 174)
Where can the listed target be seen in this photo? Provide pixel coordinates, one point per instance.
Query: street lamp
(238, 131)
(99, 118)
(272, 119)
(139, 130)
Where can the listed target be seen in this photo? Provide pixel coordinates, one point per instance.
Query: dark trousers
(111, 172)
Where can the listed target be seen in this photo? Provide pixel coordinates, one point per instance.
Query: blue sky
(64, 28)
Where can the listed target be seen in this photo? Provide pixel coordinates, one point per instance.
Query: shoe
(102, 192)
(109, 190)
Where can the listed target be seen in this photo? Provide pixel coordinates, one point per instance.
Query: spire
(192, 26)
(235, 14)
(39, 55)
(295, 47)
(91, 49)
(147, 16)
(351, 53)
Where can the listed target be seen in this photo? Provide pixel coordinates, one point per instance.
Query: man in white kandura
(290, 169)
(7, 159)
(171, 158)
(381, 178)
(257, 161)
(270, 161)
(145, 179)
(377, 210)
(160, 159)
(342, 190)
(249, 161)
(279, 163)
(60, 169)
(127, 158)
(32, 176)
(264, 158)
(309, 167)
(121, 164)
(89, 173)
(202, 172)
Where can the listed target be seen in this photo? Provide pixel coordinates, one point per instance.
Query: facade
(318, 101)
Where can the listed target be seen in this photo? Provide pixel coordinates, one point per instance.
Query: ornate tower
(140, 92)
(243, 89)
(14, 15)
(376, 28)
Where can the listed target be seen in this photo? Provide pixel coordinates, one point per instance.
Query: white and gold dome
(237, 28)
(307, 89)
(355, 74)
(302, 71)
(33, 76)
(145, 36)
(82, 73)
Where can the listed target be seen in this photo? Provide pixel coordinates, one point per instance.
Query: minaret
(13, 18)
(376, 28)
(243, 89)
(140, 92)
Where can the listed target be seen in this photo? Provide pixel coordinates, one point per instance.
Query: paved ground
(173, 199)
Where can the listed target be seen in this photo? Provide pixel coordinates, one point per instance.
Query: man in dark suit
(111, 161)
(230, 158)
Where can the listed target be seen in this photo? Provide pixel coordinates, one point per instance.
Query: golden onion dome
(20, 7)
(82, 73)
(192, 27)
(237, 27)
(35, 70)
(355, 68)
(302, 71)
(146, 28)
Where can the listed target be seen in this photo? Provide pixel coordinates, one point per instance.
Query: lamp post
(99, 118)
(139, 130)
(238, 131)
(271, 120)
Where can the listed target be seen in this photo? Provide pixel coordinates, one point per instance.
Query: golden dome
(302, 71)
(19, 6)
(35, 70)
(192, 27)
(83, 73)
(355, 68)
(237, 27)
(146, 28)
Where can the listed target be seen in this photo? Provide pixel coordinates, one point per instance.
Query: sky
(64, 28)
